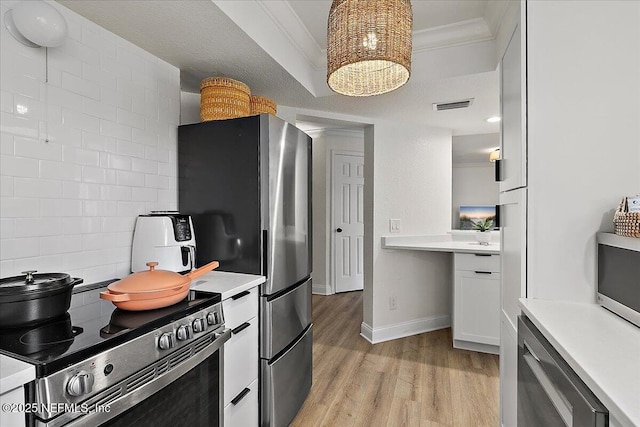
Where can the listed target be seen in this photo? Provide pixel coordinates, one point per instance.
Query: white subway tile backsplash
(111, 224)
(110, 112)
(82, 191)
(143, 165)
(60, 207)
(35, 227)
(84, 225)
(18, 166)
(21, 84)
(60, 244)
(145, 137)
(37, 149)
(129, 118)
(77, 85)
(6, 186)
(63, 98)
(93, 174)
(7, 228)
(81, 121)
(115, 130)
(6, 143)
(133, 179)
(156, 181)
(15, 207)
(19, 248)
(43, 264)
(99, 109)
(81, 156)
(129, 148)
(128, 209)
(37, 188)
(21, 126)
(60, 170)
(144, 194)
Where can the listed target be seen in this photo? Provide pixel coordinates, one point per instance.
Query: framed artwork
(469, 215)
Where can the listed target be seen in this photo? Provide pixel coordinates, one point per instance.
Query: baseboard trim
(476, 346)
(320, 289)
(404, 329)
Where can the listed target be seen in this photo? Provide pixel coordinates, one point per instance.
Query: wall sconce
(494, 155)
(36, 24)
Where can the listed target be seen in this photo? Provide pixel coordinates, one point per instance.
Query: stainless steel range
(98, 365)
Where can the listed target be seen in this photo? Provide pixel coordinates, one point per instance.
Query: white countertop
(227, 284)
(14, 373)
(602, 348)
(443, 243)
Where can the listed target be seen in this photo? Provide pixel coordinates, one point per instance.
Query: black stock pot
(34, 298)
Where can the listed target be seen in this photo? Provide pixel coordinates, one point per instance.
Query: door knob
(339, 230)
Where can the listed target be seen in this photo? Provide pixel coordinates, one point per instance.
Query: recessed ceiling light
(494, 119)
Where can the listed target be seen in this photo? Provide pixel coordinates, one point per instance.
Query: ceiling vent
(443, 106)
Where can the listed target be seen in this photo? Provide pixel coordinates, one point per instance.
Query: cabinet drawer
(245, 410)
(240, 359)
(239, 310)
(477, 262)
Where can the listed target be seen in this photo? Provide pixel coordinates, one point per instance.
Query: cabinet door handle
(240, 396)
(498, 170)
(240, 295)
(482, 254)
(482, 272)
(244, 326)
(497, 223)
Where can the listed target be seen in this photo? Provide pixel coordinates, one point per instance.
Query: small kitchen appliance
(619, 275)
(166, 238)
(101, 365)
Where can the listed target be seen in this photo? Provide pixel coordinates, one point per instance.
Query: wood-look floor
(415, 381)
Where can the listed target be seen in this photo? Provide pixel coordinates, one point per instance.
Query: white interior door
(347, 221)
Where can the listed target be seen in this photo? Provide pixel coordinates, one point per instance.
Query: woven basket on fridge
(260, 105)
(626, 223)
(223, 98)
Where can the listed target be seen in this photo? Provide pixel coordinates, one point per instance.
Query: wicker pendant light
(368, 46)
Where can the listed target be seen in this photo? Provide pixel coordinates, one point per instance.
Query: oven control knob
(199, 325)
(184, 332)
(80, 384)
(166, 341)
(212, 318)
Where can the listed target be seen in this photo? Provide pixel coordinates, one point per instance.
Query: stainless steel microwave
(619, 275)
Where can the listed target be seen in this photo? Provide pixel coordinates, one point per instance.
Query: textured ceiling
(197, 37)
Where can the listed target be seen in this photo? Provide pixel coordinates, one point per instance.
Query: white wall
(110, 112)
(472, 184)
(412, 182)
(189, 108)
(584, 136)
(323, 143)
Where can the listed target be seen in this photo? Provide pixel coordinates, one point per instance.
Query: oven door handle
(125, 402)
(556, 397)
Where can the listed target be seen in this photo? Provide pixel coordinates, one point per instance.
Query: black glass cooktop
(89, 328)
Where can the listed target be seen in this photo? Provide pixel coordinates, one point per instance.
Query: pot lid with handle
(30, 282)
(151, 280)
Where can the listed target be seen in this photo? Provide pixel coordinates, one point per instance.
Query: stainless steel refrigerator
(246, 183)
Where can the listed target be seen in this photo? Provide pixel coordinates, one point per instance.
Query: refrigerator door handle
(265, 248)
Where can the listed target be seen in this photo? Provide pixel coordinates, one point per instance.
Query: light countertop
(14, 373)
(225, 283)
(602, 348)
(443, 243)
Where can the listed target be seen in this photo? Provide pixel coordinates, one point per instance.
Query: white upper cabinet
(513, 148)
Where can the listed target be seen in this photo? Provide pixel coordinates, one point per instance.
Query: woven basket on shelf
(260, 105)
(626, 223)
(223, 98)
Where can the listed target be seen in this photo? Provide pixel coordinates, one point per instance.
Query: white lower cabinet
(476, 295)
(243, 411)
(241, 360)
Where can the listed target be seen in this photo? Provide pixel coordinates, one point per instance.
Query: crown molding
(464, 32)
